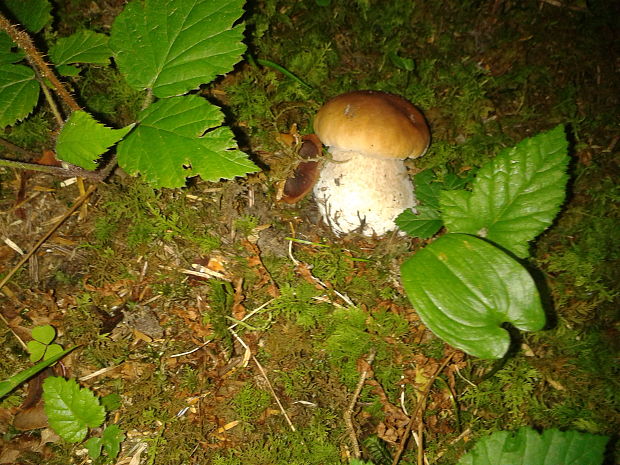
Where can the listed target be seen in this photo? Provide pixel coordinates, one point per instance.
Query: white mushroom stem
(363, 193)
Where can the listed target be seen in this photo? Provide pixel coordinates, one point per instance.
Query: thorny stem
(23, 40)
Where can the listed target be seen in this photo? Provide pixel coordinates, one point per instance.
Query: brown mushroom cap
(373, 123)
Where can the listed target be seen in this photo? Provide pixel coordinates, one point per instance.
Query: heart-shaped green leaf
(174, 46)
(44, 333)
(464, 289)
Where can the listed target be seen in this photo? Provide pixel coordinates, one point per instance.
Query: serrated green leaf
(19, 93)
(170, 144)
(9, 53)
(464, 289)
(527, 447)
(174, 46)
(36, 350)
(44, 333)
(515, 196)
(427, 189)
(33, 14)
(70, 409)
(112, 438)
(82, 47)
(424, 224)
(83, 140)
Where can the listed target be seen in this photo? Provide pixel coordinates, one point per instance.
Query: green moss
(249, 403)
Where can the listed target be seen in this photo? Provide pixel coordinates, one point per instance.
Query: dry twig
(418, 413)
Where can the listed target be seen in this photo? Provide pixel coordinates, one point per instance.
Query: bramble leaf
(83, 140)
(82, 47)
(464, 289)
(527, 447)
(112, 438)
(174, 46)
(70, 409)
(515, 196)
(181, 137)
(9, 53)
(424, 224)
(33, 14)
(19, 92)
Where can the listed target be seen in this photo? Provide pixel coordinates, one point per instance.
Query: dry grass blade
(348, 415)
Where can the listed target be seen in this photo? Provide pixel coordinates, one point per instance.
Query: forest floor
(194, 384)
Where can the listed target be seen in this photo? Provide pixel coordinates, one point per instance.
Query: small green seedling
(41, 347)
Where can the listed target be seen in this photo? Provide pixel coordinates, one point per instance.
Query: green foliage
(168, 48)
(33, 14)
(173, 47)
(41, 347)
(187, 134)
(464, 289)
(19, 92)
(527, 447)
(515, 196)
(70, 145)
(11, 383)
(82, 47)
(72, 410)
(250, 402)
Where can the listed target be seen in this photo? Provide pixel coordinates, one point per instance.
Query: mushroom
(363, 186)
(306, 173)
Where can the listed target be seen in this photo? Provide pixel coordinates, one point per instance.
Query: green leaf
(427, 189)
(174, 46)
(52, 350)
(93, 446)
(464, 289)
(19, 93)
(83, 140)
(36, 350)
(515, 196)
(44, 333)
(82, 47)
(170, 144)
(70, 409)
(8, 385)
(527, 447)
(424, 224)
(111, 401)
(112, 438)
(9, 53)
(33, 14)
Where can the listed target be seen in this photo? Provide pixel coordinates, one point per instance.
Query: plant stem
(23, 40)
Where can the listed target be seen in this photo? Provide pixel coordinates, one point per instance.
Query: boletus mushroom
(363, 185)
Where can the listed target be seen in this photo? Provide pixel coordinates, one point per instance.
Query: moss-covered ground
(197, 386)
